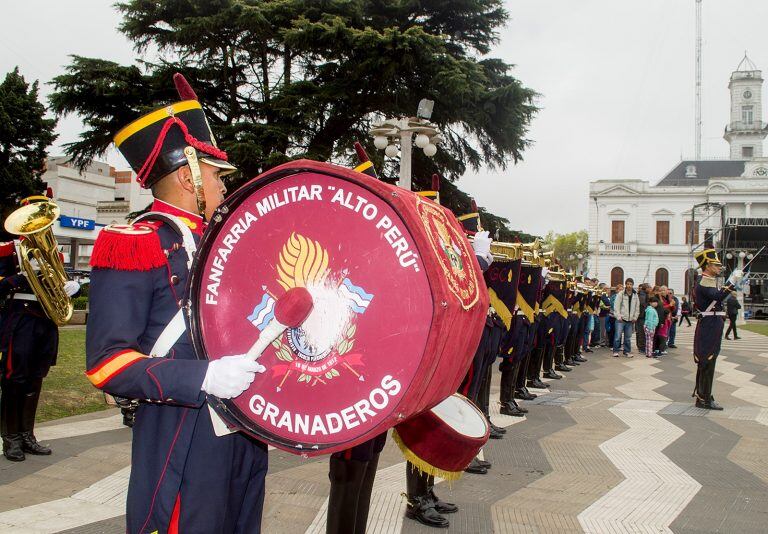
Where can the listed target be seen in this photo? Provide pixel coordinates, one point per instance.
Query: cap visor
(227, 168)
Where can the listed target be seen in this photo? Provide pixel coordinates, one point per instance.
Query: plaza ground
(616, 446)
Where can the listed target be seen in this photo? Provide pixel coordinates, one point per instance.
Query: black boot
(482, 463)
(506, 384)
(475, 467)
(511, 408)
(499, 429)
(538, 384)
(29, 409)
(422, 509)
(524, 394)
(550, 373)
(421, 506)
(580, 359)
(346, 479)
(560, 358)
(13, 448)
(442, 506)
(534, 365)
(519, 406)
(10, 421)
(711, 404)
(364, 500)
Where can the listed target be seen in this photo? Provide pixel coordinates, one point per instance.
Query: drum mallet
(291, 309)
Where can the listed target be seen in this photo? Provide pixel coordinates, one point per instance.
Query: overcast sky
(616, 80)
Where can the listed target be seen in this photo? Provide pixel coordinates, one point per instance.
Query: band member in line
(184, 478)
(29, 342)
(709, 330)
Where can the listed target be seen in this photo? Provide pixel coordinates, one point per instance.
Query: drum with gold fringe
(399, 304)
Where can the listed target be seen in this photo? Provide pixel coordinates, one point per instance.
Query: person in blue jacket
(184, 478)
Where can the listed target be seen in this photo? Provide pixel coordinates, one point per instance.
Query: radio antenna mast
(698, 80)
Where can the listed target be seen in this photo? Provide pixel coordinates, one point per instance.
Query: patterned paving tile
(731, 499)
(580, 474)
(616, 446)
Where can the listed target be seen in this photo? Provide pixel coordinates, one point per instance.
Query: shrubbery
(80, 302)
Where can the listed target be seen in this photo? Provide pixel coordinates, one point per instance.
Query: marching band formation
(191, 472)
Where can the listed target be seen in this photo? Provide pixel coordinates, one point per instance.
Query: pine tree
(25, 134)
(282, 79)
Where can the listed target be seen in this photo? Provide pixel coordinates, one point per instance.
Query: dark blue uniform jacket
(181, 472)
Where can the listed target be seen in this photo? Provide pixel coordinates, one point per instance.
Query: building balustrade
(738, 126)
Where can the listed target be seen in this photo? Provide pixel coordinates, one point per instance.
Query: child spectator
(650, 324)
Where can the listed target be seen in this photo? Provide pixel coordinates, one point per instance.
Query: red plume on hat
(183, 88)
(435, 182)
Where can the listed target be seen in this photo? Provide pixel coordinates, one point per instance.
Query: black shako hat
(154, 143)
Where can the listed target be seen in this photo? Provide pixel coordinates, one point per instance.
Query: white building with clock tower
(746, 130)
(648, 232)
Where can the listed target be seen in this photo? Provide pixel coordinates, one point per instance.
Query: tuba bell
(34, 222)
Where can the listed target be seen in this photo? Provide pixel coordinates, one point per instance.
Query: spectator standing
(610, 323)
(665, 313)
(673, 318)
(626, 308)
(605, 310)
(685, 311)
(649, 326)
(732, 308)
(642, 296)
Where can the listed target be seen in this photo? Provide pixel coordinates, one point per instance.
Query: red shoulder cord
(211, 150)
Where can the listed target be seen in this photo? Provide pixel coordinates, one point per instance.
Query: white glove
(230, 376)
(482, 245)
(71, 287)
(544, 273)
(736, 277)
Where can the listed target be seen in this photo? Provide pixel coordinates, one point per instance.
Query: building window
(747, 115)
(662, 232)
(688, 240)
(617, 231)
(662, 277)
(617, 276)
(747, 151)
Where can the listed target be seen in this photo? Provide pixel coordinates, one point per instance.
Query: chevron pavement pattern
(616, 446)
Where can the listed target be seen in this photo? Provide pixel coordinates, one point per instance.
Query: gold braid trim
(423, 466)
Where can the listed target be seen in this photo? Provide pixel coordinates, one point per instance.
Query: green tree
(284, 79)
(25, 134)
(567, 247)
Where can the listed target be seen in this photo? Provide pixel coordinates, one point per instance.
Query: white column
(406, 152)
(747, 209)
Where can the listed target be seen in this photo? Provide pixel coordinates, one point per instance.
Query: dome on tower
(746, 65)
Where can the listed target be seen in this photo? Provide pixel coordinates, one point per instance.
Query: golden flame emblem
(303, 262)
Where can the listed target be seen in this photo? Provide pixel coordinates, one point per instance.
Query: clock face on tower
(747, 94)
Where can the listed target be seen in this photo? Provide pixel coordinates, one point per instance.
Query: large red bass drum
(399, 304)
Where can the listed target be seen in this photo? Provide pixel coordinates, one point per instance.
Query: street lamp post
(391, 132)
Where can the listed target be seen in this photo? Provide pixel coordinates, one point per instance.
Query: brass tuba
(34, 222)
